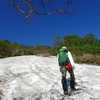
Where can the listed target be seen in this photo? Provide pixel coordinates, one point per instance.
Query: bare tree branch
(15, 6)
(40, 7)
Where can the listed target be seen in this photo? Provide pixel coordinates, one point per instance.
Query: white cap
(64, 47)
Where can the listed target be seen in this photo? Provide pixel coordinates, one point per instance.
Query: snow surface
(39, 78)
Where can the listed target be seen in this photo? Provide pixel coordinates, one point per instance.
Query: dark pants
(63, 71)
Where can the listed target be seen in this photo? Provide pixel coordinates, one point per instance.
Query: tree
(73, 40)
(90, 39)
(41, 7)
(5, 48)
(57, 41)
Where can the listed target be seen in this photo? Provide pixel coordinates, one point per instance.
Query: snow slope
(39, 78)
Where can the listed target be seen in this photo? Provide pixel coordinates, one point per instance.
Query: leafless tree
(41, 7)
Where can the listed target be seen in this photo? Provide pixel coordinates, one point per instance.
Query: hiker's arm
(71, 59)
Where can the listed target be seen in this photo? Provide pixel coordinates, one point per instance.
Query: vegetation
(8, 49)
(84, 50)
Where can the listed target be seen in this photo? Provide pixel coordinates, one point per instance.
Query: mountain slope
(38, 78)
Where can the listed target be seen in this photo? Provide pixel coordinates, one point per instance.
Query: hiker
(66, 63)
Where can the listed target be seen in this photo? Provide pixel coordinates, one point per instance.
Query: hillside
(38, 78)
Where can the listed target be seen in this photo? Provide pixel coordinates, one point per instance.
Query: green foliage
(8, 49)
(79, 45)
(73, 40)
(85, 50)
(90, 39)
(5, 48)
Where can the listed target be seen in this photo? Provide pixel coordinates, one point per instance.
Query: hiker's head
(64, 47)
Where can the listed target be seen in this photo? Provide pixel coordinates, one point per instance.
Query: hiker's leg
(72, 80)
(63, 80)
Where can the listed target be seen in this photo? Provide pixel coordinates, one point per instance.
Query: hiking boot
(73, 89)
(65, 92)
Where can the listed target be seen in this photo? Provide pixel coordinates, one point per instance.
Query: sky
(43, 29)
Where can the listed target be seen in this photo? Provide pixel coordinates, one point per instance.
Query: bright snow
(39, 78)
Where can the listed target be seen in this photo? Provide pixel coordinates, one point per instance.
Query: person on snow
(66, 63)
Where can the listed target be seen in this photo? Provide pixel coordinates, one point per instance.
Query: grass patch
(87, 58)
